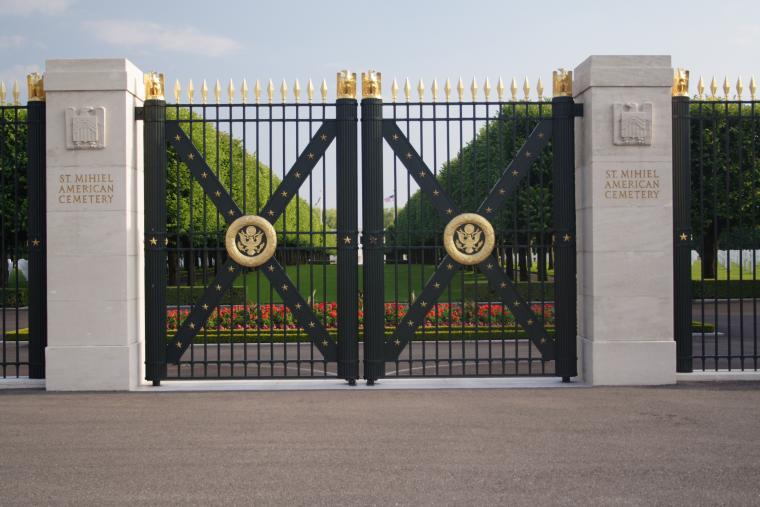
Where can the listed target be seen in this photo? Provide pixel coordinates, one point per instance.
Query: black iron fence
(23, 323)
(717, 231)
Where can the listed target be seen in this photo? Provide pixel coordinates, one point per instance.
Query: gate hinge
(139, 113)
(578, 110)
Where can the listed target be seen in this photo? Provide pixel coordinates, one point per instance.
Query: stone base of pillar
(611, 363)
(94, 368)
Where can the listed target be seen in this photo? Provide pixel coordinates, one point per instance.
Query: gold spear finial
(460, 89)
(177, 91)
(16, 94)
(421, 90)
(204, 92)
(310, 91)
(752, 88)
(726, 87)
(487, 88)
(713, 88)
(190, 92)
(283, 91)
(513, 89)
(270, 91)
(447, 89)
(218, 91)
(257, 91)
(540, 89)
(739, 88)
(526, 89)
(474, 89)
(244, 91)
(434, 90)
(3, 91)
(297, 91)
(701, 88)
(323, 90)
(35, 87)
(394, 90)
(231, 92)
(500, 89)
(407, 89)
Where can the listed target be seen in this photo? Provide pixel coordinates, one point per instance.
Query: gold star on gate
(323, 137)
(231, 212)
(270, 213)
(298, 306)
(502, 191)
(324, 343)
(422, 174)
(179, 345)
(153, 241)
(347, 240)
(191, 156)
(423, 304)
(271, 268)
(284, 193)
(408, 155)
(218, 193)
(204, 175)
(528, 154)
(449, 266)
(567, 237)
(515, 172)
(177, 137)
(489, 209)
(437, 285)
(503, 285)
(683, 236)
(35, 242)
(218, 287)
(311, 156)
(297, 175)
(530, 322)
(205, 306)
(231, 269)
(284, 287)
(312, 324)
(395, 137)
(449, 211)
(397, 342)
(435, 193)
(540, 135)
(410, 323)
(516, 303)
(489, 266)
(191, 325)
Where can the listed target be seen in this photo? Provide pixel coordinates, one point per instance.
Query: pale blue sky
(299, 39)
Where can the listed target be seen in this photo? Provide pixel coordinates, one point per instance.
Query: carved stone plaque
(632, 124)
(85, 128)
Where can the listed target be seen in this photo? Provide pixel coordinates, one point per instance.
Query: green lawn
(736, 272)
(400, 280)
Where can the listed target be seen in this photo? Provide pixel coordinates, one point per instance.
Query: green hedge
(12, 297)
(184, 295)
(724, 289)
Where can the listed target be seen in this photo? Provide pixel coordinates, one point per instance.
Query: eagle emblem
(469, 239)
(251, 240)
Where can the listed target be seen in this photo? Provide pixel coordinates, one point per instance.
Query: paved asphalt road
(685, 445)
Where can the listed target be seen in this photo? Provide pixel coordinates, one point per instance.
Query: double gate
(256, 266)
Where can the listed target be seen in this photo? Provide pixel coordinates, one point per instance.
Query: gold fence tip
(739, 88)
(257, 91)
(16, 94)
(218, 91)
(394, 90)
(421, 90)
(460, 89)
(35, 83)
(310, 91)
(177, 91)
(680, 83)
(434, 90)
(407, 89)
(513, 89)
(244, 91)
(447, 89)
(190, 92)
(540, 89)
(297, 91)
(372, 84)
(474, 89)
(487, 88)
(3, 91)
(726, 87)
(231, 91)
(562, 83)
(752, 88)
(323, 90)
(346, 85)
(701, 88)
(500, 89)
(204, 92)
(270, 91)
(154, 86)
(283, 91)
(526, 89)
(713, 88)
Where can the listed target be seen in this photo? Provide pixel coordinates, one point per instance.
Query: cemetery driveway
(691, 444)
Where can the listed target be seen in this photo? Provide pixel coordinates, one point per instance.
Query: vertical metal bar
(348, 280)
(154, 139)
(563, 182)
(682, 232)
(373, 238)
(37, 291)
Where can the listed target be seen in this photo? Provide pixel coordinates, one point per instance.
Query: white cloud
(11, 41)
(154, 36)
(27, 7)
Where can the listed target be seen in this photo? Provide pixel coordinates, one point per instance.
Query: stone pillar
(625, 220)
(94, 225)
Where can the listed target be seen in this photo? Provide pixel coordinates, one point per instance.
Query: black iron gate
(246, 276)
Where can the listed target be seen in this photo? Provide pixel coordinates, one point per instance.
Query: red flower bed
(278, 316)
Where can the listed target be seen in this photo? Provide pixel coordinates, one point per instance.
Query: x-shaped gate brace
(499, 281)
(271, 211)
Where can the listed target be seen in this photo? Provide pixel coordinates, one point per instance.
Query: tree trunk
(510, 258)
(172, 260)
(709, 252)
(523, 264)
(551, 258)
(542, 273)
(189, 257)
